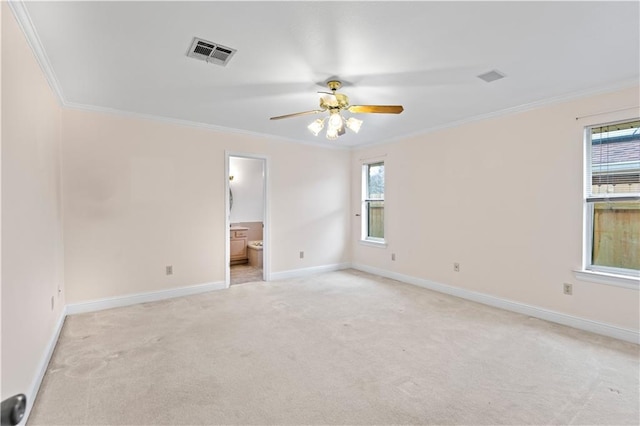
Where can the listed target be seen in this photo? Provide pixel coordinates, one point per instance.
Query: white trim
(26, 25)
(500, 113)
(545, 314)
(303, 272)
(373, 243)
(587, 208)
(18, 7)
(199, 125)
(510, 305)
(22, 16)
(227, 221)
(365, 239)
(266, 216)
(42, 368)
(617, 280)
(590, 272)
(134, 299)
(607, 88)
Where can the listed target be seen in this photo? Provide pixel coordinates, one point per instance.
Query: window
(373, 202)
(612, 198)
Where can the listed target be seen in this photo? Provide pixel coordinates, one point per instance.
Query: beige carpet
(337, 348)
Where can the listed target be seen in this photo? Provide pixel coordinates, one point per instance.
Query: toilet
(254, 251)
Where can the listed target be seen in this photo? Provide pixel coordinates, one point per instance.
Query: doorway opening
(247, 221)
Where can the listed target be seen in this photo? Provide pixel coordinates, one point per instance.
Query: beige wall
(142, 194)
(31, 212)
(503, 197)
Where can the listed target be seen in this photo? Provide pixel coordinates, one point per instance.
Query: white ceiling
(131, 57)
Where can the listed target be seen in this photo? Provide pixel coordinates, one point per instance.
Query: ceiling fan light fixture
(334, 103)
(316, 126)
(354, 124)
(336, 121)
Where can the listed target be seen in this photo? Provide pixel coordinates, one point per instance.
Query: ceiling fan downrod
(334, 85)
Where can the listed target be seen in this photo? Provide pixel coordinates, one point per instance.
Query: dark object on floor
(13, 410)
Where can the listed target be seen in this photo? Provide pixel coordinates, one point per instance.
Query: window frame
(624, 277)
(365, 239)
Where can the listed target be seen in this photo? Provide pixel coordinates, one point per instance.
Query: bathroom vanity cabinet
(238, 245)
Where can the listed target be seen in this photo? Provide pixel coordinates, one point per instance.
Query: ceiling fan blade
(296, 114)
(376, 109)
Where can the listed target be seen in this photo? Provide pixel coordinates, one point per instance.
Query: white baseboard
(32, 392)
(98, 305)
(133, 299)
(510, 305)
(296, 273)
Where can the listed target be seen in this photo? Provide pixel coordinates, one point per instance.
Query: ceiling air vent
(491, 76)
(210, 52)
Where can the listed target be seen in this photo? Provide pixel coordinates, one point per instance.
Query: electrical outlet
(567, 289)
(169, 270)
(301, 255)
(456, 267)
(393, 256)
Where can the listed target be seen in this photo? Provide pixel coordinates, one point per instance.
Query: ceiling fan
(335, 103)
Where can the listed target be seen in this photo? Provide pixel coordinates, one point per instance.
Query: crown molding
(620, 85)
(195, 124)
(24, 21)
(21, 14)
(18, 7)
(608, 88)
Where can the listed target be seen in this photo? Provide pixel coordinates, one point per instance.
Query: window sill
(376, 244)
(617, 280)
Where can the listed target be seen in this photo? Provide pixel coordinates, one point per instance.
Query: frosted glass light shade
(335, 121)
(316, 126)
(332, 134)
(354, 124)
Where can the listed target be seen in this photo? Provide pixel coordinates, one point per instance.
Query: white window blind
(614, 162)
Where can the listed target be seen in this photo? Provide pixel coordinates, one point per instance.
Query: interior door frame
(266, 230)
